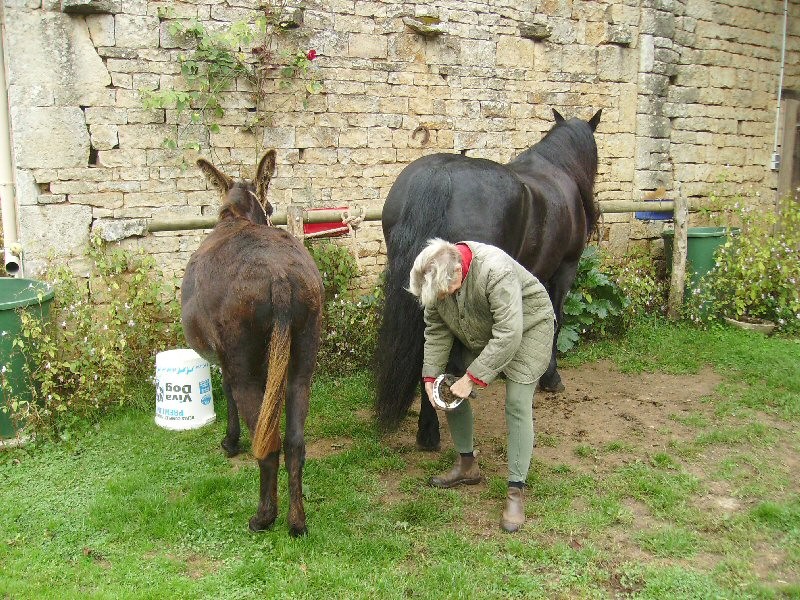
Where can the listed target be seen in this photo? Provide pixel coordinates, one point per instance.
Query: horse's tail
(400, 338)
(266, 438)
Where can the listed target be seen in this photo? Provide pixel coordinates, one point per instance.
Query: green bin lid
(703, 232)
(18, 292)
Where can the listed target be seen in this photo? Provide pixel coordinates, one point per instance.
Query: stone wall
(688, 90)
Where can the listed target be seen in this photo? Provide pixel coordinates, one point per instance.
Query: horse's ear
(216, 177)
(557, 116)
(595, 120)
(263, 175)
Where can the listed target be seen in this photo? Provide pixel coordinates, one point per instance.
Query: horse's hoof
(428, 444)
(298, 530)
(555, 388)
(258, 523)
(230, 449)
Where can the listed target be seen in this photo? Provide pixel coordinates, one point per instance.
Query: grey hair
(434, 270)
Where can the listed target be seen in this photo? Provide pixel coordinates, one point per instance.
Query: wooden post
(678, 280)
(294, 221)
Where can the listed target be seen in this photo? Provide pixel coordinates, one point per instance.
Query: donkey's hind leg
(294, 446)
(268, 493)
(230, 443)
(249, 393)
(298, 393)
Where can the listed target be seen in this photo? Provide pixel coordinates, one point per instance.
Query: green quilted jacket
(501, 313)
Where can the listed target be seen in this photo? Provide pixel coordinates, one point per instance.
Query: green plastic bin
(17, 296)
(701, 244)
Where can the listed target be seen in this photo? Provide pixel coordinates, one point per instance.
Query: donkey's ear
(595, 120)
(215, 177)
(557, 116)
(263, 175)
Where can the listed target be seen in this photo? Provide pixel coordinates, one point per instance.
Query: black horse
(539, 208)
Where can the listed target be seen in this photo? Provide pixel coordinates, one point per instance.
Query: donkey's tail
(400, 337)
(266, 438)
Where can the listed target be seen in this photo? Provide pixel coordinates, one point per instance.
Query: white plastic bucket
(183, 390)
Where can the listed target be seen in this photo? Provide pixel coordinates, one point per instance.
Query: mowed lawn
(126, 509)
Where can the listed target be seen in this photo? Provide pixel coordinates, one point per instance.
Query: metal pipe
(623, 206)
(331, 215)
(327, 215)
(776, 157)
(12, 253)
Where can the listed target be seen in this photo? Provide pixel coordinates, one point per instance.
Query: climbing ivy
(243, 50)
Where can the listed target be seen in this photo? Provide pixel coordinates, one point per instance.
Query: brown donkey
(251, 302)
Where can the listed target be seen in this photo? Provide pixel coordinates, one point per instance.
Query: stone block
(103, 137)
(53, 137)
(367, 46)
(60, 229)
(122, 158)
(108, 200)
(113, 230)
(91, 7)
(136, 31)
(515, 52)
(53, 52)
(101, 30)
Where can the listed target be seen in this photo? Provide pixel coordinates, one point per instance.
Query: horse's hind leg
(558, 287)
(428, 434)
(230, 443)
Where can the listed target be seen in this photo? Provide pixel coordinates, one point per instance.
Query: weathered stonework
(688, 92)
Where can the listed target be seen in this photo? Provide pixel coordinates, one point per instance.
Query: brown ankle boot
(465, 471)
(514, 513)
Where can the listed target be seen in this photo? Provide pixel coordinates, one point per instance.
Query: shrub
(350, 332)
(96, 341)
(641, 282)
(350, 325)
(594, 303)
(336, 265)
(757, 272)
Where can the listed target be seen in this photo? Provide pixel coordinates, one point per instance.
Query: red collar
(466, 259)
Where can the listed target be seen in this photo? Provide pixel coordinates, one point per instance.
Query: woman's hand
(462, 387)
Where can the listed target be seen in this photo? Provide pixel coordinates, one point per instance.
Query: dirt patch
(322, 447)
(602, 409)
(605, 419)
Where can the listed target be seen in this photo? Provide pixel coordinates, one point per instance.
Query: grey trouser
(519, 423)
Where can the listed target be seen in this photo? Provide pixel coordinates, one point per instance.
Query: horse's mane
(241, 201)
(570, 145)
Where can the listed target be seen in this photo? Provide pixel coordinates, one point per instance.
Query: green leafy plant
(97, 340)
(350, 325)
(639, 279)
(594, 302)
(350, 332)
(336, 265)
(757, 272)
(243, 50)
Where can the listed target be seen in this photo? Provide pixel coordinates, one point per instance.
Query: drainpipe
(776, 157)
(8, 205)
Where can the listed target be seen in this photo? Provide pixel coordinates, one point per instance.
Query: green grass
(128, 510)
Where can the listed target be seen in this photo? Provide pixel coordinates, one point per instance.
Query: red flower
(312, 54)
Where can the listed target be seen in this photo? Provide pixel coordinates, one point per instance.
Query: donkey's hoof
(298, 530)
(231, 449)
(259, 523)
